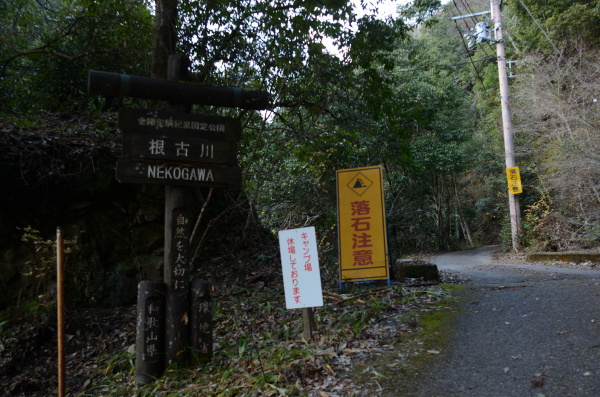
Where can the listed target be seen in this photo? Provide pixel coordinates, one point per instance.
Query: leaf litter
(258, 344)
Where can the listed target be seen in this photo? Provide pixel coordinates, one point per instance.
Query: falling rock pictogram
(359, 183)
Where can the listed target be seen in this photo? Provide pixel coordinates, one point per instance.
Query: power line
(540, 26)
(466, 5)
(491, 59)
(551, 42)
(460, 13)
(472, 63)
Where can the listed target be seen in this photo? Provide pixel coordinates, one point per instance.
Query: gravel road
(523, 330)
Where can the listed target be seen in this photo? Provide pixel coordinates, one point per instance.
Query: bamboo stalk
(60, 287)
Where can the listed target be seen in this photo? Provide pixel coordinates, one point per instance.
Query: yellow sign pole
(362, 237)
(514, 180)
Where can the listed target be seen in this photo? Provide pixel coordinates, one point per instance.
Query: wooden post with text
(180, 150)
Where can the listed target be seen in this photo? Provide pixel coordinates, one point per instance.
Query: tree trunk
(165, 36)
(439, 199)
(463, 222)
(447, 196)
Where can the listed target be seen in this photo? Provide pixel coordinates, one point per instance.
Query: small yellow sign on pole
(362, 237)
(514, 180)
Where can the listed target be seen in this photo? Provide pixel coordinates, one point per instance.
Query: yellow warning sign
(362, 237)
(514, 180)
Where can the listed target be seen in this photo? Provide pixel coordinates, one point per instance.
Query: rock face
(59, 170)
(408, 268)
(116, 240)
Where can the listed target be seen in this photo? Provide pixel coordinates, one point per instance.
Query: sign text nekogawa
(178, 149)
(137, 171)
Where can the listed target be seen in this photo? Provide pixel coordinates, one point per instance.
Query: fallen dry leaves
(259, 350)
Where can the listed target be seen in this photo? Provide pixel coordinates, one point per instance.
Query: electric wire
(472, 63)
(490, 59)
(540, 26)
(460, 13)
(551, 42)
(466, 5)
(471, 11)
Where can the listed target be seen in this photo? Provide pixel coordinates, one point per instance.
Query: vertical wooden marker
(177, 243)
(177, 278)
(201, 334)
(149, 343)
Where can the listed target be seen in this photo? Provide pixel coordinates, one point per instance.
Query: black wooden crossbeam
(114, 84)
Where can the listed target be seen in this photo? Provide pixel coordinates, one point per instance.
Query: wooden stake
(60, 304)
(309, 322)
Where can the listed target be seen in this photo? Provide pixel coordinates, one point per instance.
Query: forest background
(405, 92)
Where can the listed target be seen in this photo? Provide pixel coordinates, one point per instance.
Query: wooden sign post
(179, 150)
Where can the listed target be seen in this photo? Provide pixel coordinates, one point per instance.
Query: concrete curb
(563, 257)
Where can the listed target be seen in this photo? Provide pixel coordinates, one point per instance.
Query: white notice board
(300, 266)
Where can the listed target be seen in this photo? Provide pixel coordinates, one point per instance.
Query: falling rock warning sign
(362, 237)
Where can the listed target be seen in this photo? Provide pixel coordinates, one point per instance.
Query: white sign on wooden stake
(300, 266)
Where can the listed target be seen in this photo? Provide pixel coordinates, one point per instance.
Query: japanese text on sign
(151, 328)
(361, 242)
(361, 225)
(180, 249)
(514, 180)
(300, 265)
(157, 147)
(204, 328)
(185, 124)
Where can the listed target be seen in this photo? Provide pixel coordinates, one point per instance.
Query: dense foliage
(48, 46)
(404, 92)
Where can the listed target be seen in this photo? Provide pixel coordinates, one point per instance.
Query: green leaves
(420, 12)
(47, 48)
(566, 22)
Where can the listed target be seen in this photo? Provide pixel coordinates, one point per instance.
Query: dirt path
(522, 330)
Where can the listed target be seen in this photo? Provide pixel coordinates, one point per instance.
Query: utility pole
(509, 146)
(482, 33)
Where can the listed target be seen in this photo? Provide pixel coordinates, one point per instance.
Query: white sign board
(300, 265)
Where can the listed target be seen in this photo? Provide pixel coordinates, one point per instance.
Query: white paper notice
(300, 265)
